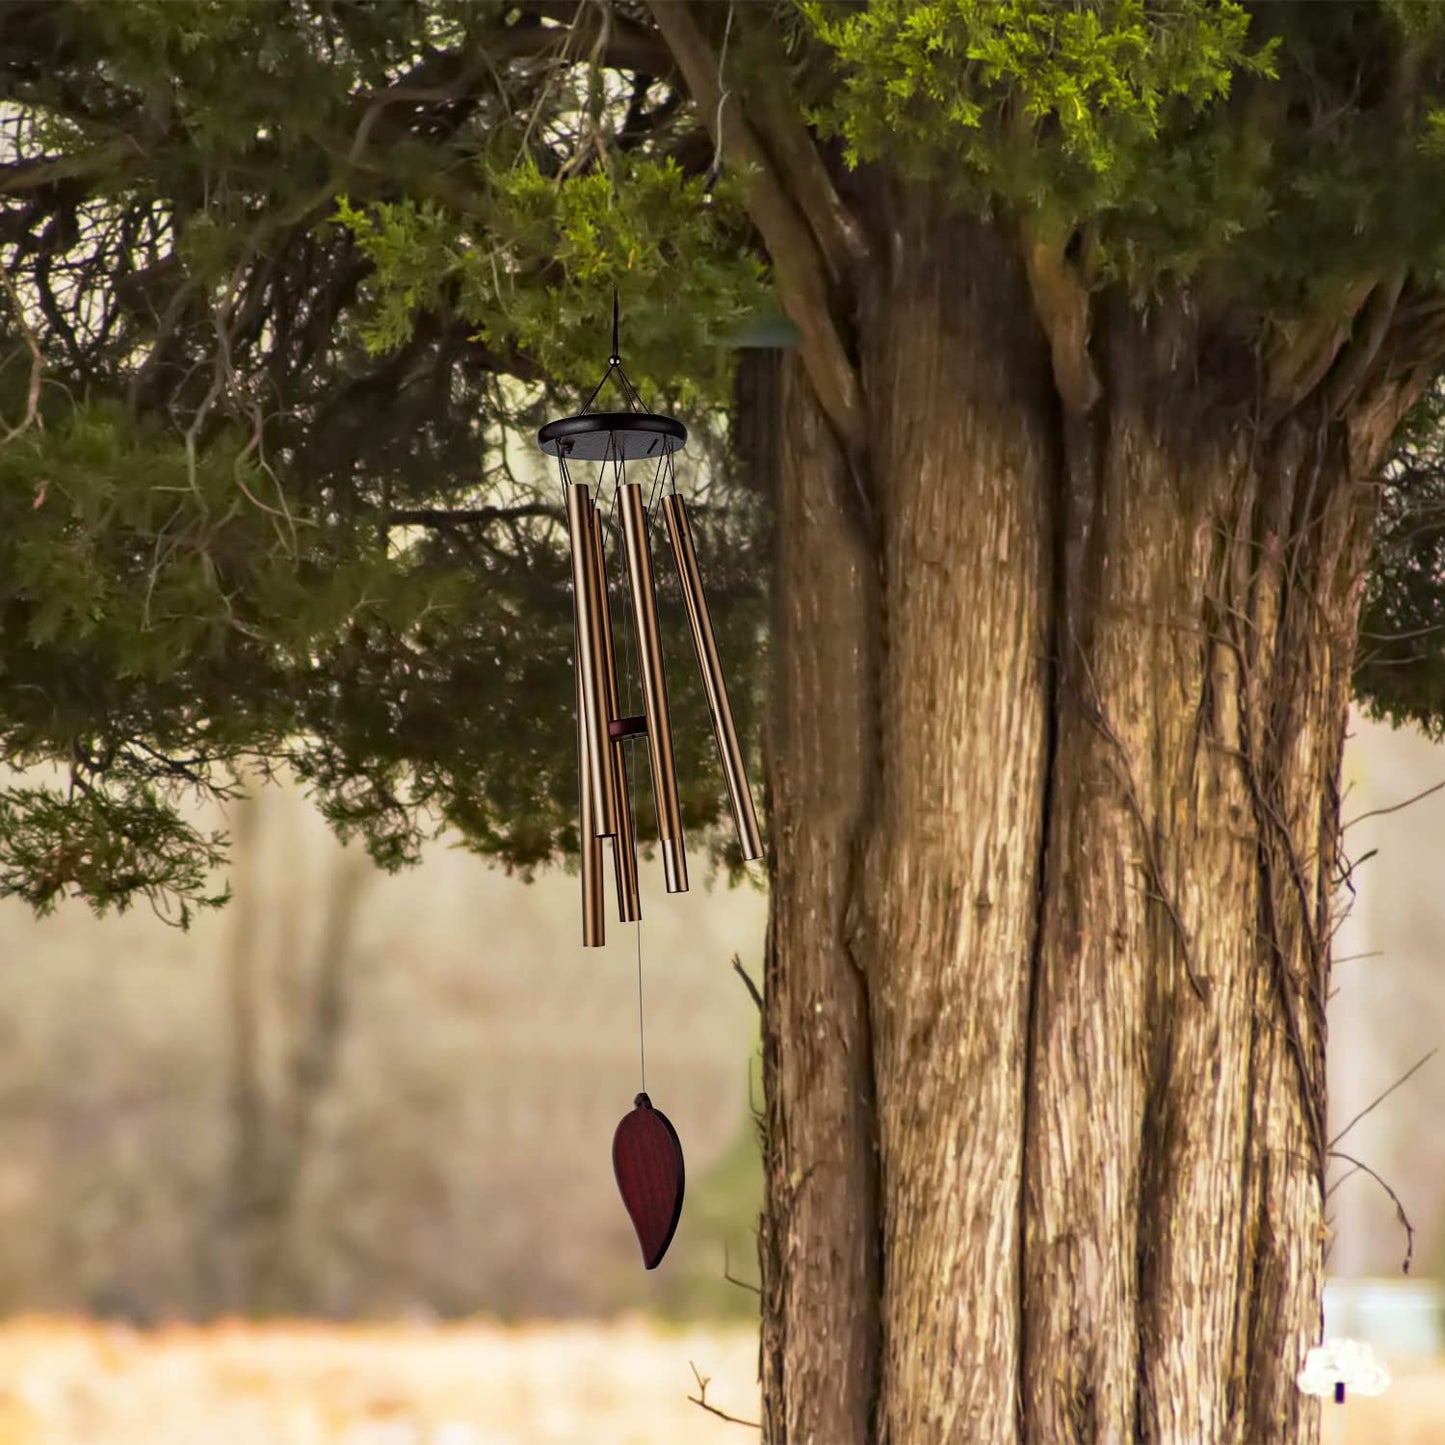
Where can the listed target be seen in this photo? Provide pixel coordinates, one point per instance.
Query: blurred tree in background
(1107, 316)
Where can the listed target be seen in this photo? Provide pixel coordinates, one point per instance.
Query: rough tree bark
(1059, 691)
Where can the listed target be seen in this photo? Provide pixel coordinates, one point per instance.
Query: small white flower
(1343, 1362)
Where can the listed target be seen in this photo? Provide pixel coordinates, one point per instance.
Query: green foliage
(1276, 152)
(1061, 109)
(632, 226)
(304, 277)
(203, 566)
(1400, 671)
(109, 848)
(158, 618)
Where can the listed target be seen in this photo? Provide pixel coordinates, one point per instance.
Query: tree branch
(797, 260)
(1380, 1098)
(626, 44)
(42, 171)
(468, 516)
(752, 988)
(1394, 807)
(1347, 380)
(37, 366)
(834, 226)
(703, 1381)
(1399, 1208)
(1061, 303)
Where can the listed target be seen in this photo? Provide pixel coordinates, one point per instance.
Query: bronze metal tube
(591, 667)
(624, 847)
(594, 933)
(725, 733)
(654, 686)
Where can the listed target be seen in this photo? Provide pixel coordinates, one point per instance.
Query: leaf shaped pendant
(647, 1160)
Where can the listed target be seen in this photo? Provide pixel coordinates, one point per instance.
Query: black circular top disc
(609, 436)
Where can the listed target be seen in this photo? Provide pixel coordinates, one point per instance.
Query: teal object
(768, 331)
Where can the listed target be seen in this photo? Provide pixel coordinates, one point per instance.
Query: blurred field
(1410, 1412)
(623, 1383)
(458, 1158)
(604, 1384)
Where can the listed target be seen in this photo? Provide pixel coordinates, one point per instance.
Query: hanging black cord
(634, 397)
(630, 394)
(587, 406)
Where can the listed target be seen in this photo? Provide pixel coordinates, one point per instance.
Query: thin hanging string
(630, 393)
(614, 364)
(587, 406)
(634, 397)
(641, 1029)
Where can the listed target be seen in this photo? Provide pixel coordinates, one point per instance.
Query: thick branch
(37, 368)
(797, 260)
(835, 227)
(626, 44)
(469, 516)
(1356, 359)
(1061, 303)
(1305, 349)
(42, 171)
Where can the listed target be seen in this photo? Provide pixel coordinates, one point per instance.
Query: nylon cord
(641, 1027)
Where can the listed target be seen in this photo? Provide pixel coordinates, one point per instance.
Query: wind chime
(646, 1153)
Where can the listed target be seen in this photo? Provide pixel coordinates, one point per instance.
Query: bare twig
(1395, 1198)
(733, 1279)
(1394, 808)
(1348, 1174)
(1375, 1103)
(37, 363)
(703, 1381)
(752, 988)
(1346, 867)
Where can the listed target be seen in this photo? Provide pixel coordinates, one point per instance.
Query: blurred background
(335, 1165)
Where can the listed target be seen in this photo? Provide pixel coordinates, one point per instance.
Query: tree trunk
(240, 1224)
(1058, 708)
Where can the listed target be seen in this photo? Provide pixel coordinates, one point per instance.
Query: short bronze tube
(594, 933)
(654, 686)
(725, 733)
(591, 666)
(624, 847)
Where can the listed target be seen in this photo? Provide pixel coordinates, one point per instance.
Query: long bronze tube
(594, 929)
(624, 847)
(591, 667)
(654, 686)
(725, 733)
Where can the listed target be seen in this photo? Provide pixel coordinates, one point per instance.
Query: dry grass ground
(297, 1384)
(1410, 1412)
(627, 1383)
